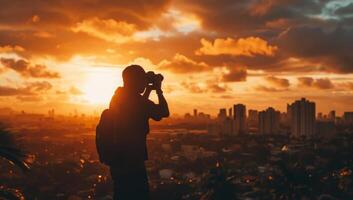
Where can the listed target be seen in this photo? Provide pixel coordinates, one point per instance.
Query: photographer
(131, 112)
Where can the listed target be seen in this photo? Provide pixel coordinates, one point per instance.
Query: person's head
(134, 78)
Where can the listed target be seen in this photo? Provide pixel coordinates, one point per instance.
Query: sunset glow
(225, 52)
(100, 84)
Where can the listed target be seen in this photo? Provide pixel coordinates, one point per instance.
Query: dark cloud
(245, 16)
(235, 75)
(279, 82)
(328, 50)
(27, 69)
(57, 13)
(320, 83)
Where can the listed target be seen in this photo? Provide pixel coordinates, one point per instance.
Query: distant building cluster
(299, 121)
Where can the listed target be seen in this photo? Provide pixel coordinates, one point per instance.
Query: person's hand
(149, 87)
(158, 85)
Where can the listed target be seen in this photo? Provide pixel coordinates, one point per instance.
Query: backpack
(106, 137)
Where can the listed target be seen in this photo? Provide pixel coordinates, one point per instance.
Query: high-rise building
(230, 113)
(332, 115)
(195, 112)
(222, 115)
(302, 117)
(239, 111)
(320, 116)
(348, 117)
(269, 121)
(253, 115)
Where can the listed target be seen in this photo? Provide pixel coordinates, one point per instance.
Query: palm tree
(10, 152)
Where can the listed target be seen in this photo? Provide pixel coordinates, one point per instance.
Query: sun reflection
(100, 84)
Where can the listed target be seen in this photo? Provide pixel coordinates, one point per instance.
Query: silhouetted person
(132, 110)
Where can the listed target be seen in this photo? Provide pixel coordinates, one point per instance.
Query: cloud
(200, 87)
(10, 91)
(349, 85)
(279, 82)
(216, 88)
(64, 29)
(326, 50)
(182, 64)
(243, 16)
(57, 13)
(269, 89)
(320, 83)
(75, 91)
(39, 86)
(11, 49)
(235, 74)
(109, 29)
(30, 98)
(249, 46)
(29, 89)
(347, 10)
(193, 87)
(27, 69)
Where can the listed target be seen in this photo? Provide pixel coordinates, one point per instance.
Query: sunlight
(100, 84)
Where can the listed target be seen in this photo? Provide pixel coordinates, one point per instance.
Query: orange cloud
(10, 49)
(183, 64)
(279, 82)
(109, 29)
(249, 46)
(235, 74)
(27, 69)
(320, 83)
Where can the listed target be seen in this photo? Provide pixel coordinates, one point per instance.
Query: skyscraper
(302, 117)
(222, 115)
(253, 115)
(269, 121)
(239, 111)
(331, 115)
(348, 117)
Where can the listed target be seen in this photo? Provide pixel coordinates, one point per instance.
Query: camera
(153, 78)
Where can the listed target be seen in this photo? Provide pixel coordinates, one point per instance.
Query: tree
(10, 152)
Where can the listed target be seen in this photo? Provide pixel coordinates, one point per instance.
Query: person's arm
(162, 103)
(160, 110)
(147, 92)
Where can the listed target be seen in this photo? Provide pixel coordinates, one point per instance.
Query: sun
(100, 84)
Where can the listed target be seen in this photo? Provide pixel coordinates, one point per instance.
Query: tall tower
(269, 121)
(332, 115)
(222, 115)
(302, 116)
(239, 111)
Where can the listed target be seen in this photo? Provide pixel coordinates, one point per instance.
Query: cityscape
(176, 100)
(298, 154)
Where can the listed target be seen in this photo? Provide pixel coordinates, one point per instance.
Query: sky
(69, 55)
